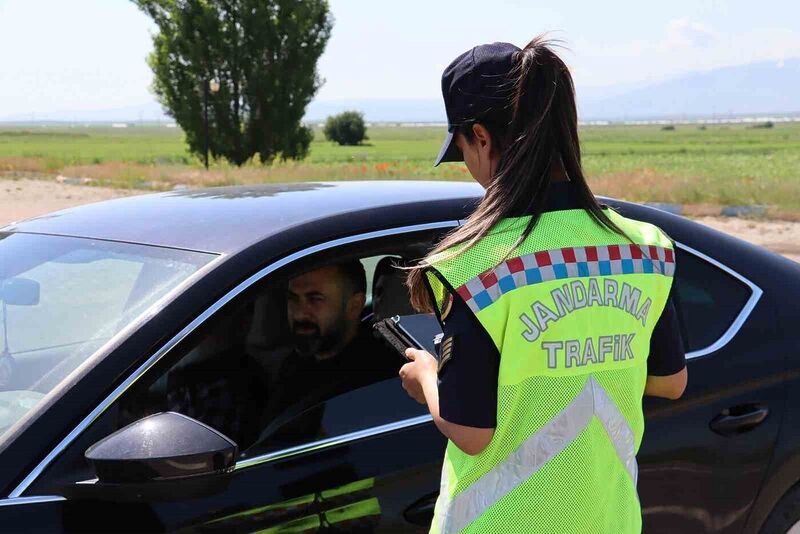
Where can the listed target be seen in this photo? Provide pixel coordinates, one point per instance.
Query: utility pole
(205, 118)
(212, 87)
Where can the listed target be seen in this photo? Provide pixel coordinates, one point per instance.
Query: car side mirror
(19, 292)
(162, 457)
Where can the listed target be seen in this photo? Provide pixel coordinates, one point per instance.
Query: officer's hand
(422, 367)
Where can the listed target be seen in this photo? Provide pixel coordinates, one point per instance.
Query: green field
(718, 165)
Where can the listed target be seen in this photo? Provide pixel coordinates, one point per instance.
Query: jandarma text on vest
(583, 293)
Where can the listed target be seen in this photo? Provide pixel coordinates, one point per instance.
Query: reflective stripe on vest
(555, 436)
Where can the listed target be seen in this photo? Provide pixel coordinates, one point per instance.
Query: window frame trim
(34, 499)
(755, 295)
(341, 439)
(202, 318)
(733, 329)
(723, 340)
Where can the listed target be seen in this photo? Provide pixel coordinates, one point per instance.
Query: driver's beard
(319, 342)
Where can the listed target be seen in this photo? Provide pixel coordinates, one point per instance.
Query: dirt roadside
(782, 237)
(24, 198)
(20, 199)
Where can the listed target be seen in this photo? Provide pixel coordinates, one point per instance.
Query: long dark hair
(542, 132)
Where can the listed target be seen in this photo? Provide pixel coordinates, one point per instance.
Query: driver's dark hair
(542, 133)
(354, 276)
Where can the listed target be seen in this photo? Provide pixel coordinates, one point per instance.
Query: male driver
(332, 350)
(324, 309)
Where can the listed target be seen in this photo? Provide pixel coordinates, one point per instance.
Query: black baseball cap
(476, 87)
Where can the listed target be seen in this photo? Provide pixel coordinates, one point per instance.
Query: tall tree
(263, 56)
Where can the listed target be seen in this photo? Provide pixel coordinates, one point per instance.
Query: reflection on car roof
(227, 219)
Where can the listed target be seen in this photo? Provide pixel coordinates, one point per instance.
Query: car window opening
(294, 362)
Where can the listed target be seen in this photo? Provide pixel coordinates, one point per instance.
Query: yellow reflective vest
(571, 310)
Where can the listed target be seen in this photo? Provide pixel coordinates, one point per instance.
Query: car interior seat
(223, 332)
(389, 293)
(270, 326)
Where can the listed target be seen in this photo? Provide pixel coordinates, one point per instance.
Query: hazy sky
(60, 55)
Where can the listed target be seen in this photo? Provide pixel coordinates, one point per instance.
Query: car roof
(229, 219)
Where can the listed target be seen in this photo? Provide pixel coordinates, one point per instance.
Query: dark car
(113, 313)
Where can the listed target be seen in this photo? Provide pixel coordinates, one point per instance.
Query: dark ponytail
(542, 132)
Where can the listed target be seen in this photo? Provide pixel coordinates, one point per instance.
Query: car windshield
(62, 298)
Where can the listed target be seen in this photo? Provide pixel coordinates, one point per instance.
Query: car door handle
(739, 419)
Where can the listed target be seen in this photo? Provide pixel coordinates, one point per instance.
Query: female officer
(555, 311)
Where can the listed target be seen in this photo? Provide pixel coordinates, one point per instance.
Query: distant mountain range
(755, 88)
(380, 110)
(146, 112)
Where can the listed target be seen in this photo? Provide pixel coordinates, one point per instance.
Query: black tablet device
(420, 331)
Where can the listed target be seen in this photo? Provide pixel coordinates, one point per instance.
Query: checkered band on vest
(574, 262)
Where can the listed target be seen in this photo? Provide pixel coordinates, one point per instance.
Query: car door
(378, 473)
(32, 514)
(704, 456)
(376, 468)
